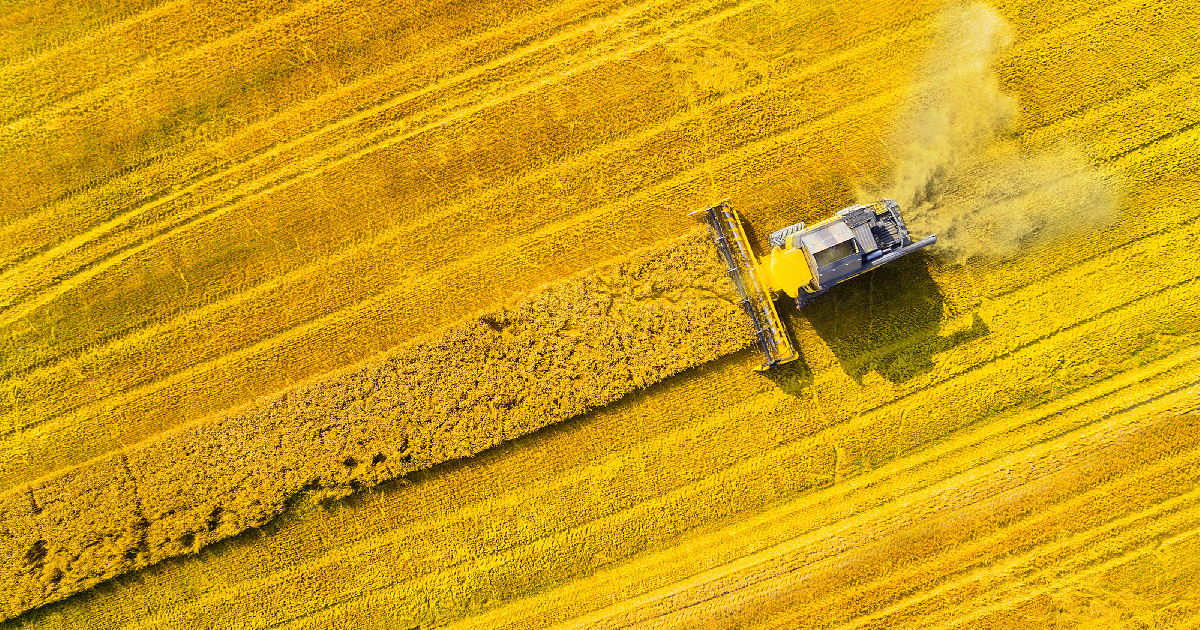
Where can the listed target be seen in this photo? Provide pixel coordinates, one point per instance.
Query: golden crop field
(330, 314)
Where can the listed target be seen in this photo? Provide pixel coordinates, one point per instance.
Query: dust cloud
(960, 174)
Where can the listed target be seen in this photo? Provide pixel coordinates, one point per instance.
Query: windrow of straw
(567, 348)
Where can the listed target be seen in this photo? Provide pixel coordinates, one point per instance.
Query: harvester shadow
(887, 321)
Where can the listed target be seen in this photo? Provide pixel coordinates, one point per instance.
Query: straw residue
(563, 350)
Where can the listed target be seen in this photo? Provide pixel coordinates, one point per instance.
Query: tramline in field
(805, 261)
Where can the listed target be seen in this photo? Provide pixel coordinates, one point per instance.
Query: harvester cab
(804, 262)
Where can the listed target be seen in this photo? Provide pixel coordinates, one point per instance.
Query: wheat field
(320, 314)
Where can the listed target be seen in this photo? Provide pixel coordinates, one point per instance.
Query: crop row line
(576, 162)
(109, 23)
(1056, 407)
(369, 91)
(76, 407)
(376, 105)
(770, 563)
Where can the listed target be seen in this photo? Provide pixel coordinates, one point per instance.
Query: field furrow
(459, 210)
(354, 256)
(1118, 333)
(377, 124)
(116, 409)
(235, 178)
(338, 157)
(145, 207)
(868, 520)
(177, 108)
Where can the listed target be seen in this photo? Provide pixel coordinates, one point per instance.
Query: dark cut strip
(565, 349)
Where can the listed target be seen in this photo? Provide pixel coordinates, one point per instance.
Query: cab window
(833, 254)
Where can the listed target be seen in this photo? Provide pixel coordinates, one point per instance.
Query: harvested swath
(1046, 323)
(168, 281)
(283, 230)
(565, 349)
(154, 408)
(1047, 335)
(844, 451)
(389, 166)
(1043, 348)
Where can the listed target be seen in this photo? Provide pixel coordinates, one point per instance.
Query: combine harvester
(805, 262)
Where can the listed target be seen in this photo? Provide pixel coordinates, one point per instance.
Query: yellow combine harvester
(805, 262)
